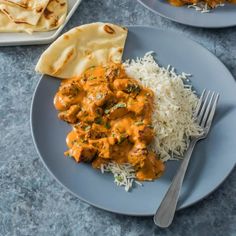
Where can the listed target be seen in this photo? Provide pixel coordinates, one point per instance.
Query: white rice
(124, 175)
(203, 7)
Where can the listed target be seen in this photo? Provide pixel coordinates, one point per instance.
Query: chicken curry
(111, 116)
(210, 3)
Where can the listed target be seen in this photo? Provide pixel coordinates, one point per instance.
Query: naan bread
(53, 16)
(22, 11)
(82, 47)
(22, 3)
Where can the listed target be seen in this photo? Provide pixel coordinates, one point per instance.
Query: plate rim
(179, 21)
(97, 205)
(45, 40)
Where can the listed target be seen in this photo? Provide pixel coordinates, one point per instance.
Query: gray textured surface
(33, 203)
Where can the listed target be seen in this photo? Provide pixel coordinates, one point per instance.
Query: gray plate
(213, 158)
(220, 17)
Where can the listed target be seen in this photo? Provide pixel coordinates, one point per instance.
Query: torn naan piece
(53, 16)
(83, 47)
(23, 11)
(22, 3)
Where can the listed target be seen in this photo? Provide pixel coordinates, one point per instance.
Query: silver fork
(204, 114)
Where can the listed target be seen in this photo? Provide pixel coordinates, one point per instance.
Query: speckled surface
(33, 203)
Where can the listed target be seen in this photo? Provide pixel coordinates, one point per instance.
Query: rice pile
(203, 7)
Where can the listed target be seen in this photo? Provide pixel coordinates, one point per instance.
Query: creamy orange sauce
(111, 118)
(211, 3)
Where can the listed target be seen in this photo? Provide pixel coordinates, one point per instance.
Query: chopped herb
(112, 73)
(84, 114)
(113, 135)
(87, 128)
(92, 78)
(150, 126)
(107, 125)
(119, 105)
(133, 88)
(82, 140)
(107, 111)
(122, 139)
(116, 71)
(77, 126)
(119, 178)
(73, 91)
(99, 96)
(98, 120)
(138, 123)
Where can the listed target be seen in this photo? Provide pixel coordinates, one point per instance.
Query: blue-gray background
(33, 203)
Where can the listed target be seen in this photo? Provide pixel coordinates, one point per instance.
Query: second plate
(220, 17)
(12, 39)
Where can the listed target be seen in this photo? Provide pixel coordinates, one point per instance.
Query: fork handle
(165, 213)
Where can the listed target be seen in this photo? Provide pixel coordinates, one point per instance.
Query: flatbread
(53, 16)
(22, 3)
(82, 47)
(24, 11)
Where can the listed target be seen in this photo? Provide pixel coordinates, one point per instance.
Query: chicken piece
(152, 168)
(68, 94)
(97, 131)
(92, 131)
(101, 96)
(82, 153)
(128, 86)
(121, 84)
(177, 3)
(75, 138)
(70, 89)
(104, 147)
(141, 104)
(82, 114)
(213, 3)
(116, 111)
(136, 106)
(122, 95)
(70, 115)
(112, 73)
(122, 125)
(137, 155)
(97, 162)
(142, 133)
(189, 1)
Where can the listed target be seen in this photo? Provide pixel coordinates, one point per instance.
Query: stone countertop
(33, 203)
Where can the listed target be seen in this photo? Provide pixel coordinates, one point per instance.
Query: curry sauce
(111, 117)
(210, 3)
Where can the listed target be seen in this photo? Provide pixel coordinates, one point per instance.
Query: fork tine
(212, 113)
(208, 109)
(199, 104)
(199, 118)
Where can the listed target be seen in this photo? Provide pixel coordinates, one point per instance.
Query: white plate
(10, 39)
